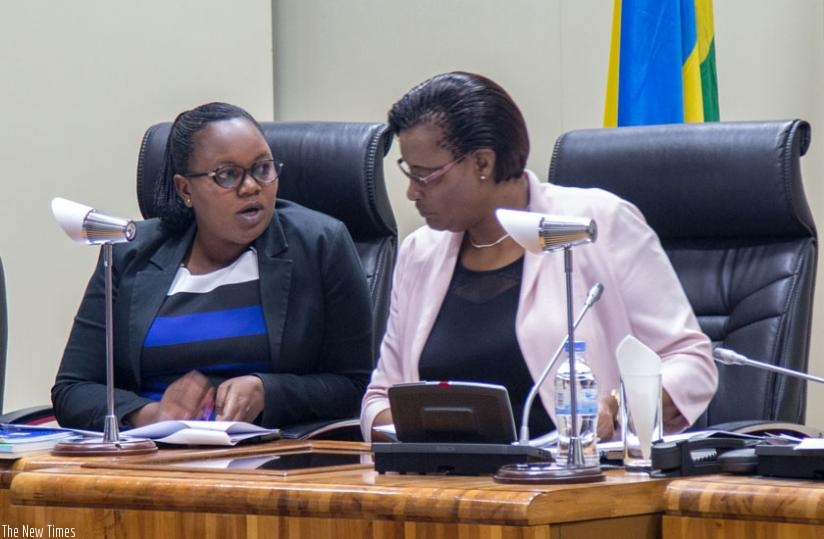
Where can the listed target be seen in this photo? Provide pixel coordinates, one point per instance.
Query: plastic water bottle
(587, 395)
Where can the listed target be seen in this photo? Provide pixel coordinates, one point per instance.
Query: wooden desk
(144, 497)
(743, 507)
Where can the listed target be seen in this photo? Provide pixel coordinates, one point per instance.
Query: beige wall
(350, 60)
(81, 81)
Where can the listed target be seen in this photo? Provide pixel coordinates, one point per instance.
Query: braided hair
(174, 214)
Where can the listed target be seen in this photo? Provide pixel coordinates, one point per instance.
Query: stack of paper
(202, 432)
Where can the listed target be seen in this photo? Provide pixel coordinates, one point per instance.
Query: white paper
(235, 463)
(643, 397)
(636, 358)
(388, 428)
(810, 443)
(192, 432)
(640, 369)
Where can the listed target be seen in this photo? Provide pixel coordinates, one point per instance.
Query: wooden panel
(117, 524)
(614, 528)
(785, 500)
(712, 528)
(154, 497)
(346, 494)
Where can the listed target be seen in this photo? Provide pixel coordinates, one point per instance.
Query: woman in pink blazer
(469, 304)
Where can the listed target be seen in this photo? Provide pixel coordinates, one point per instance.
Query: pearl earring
(483, 177)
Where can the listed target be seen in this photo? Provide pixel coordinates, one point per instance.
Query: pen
(206, 413)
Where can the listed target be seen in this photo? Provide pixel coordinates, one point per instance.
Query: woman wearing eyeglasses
(468, 304)
(233, 305)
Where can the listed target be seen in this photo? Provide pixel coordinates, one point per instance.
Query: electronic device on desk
(459, 428)
(697, 454)
(762, 428)
(791, 461)
(796, 460)
(801, 459)
(776, 454)
(731, 448)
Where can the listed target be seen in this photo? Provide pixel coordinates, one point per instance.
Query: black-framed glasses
(428, 178)
(230, 176)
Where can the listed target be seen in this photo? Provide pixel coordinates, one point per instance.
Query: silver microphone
(557, 232)
(728, 357)
(593, 296)
(537, 232)
(85, 224)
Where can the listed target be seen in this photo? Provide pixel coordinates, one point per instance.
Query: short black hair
(474, 112)
(175, 215)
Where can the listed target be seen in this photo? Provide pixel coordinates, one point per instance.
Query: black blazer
(315, 301)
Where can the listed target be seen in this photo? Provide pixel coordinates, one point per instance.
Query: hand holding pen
(191, 396)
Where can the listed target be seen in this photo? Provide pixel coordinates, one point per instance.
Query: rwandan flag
(661, 63)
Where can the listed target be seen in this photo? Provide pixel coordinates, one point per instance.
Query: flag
(661, 63)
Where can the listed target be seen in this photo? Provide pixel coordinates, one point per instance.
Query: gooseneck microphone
(539, 233)
(728, 357)
(593, 296)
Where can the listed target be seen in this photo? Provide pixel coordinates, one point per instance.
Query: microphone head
(85, 224)
(538, 232)
(594, 294)
(726, 356)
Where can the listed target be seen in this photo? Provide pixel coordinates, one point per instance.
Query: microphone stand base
(96, 447)
(547, 473)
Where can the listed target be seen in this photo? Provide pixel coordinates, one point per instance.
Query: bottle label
(587, 402)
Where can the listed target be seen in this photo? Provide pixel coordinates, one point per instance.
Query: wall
(351, 60)
(82, 81)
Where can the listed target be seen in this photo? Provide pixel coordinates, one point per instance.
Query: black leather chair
(30, 416)
(728, 204)
(332, 167)
(4, 334)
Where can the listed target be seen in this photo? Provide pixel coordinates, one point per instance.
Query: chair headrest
(332, 167)
(720, 179)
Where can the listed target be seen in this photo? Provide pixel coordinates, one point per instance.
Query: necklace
(487, 245)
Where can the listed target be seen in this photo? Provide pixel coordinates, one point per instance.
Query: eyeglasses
(432, 176)
(229, 177)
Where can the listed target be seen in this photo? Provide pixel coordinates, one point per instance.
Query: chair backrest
(727, 202)
(4, 334)
(33, 415)
(332, 167)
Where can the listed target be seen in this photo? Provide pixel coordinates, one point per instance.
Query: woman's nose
(248, 185)
(413, 192)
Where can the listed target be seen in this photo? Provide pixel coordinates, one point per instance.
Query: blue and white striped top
(212, 323)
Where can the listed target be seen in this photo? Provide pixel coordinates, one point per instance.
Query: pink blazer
(642, 297)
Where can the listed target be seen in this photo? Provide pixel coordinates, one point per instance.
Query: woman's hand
(608, 424)
(189, 397)
(671, 414)
(383, 418)
(239, 399)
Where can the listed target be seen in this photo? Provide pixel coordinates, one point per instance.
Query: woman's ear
(484, 162)
(184, 189)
